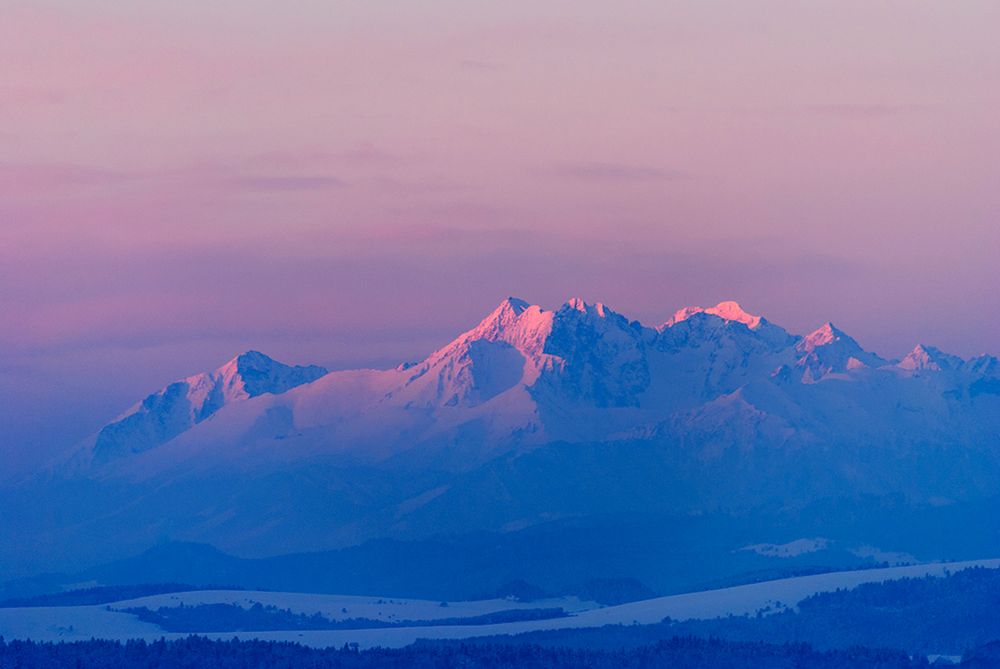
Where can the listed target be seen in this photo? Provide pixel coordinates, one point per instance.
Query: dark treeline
(927, 615)
(931, 615)
(199, 653)
(235, 618)
(106, 594)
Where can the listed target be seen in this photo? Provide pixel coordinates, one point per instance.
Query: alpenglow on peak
(728, 310)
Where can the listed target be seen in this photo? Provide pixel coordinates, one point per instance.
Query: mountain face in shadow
(532, 421)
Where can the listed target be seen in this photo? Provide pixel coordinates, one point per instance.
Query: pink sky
(355, 182)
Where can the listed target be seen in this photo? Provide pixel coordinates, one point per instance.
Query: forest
(231, 617)
(678, 653)
(932, 615)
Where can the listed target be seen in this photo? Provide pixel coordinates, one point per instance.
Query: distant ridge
(532, 416)
(523, 376)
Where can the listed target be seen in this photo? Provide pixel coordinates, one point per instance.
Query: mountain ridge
(164, 414)
(577, 358)
(532, 416)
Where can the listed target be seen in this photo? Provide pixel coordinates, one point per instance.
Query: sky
(354, 183)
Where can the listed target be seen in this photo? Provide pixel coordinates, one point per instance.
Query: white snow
(523, 376)
(728, 310)
(84, 622)
(184, 404)
(73, 623)
(923, 358)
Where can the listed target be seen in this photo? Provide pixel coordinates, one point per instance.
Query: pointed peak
(248, 360)
(513, 304)
(507, 313)
(829, 349)
(924, 357)
(253, 357)
(509, 308)
(824, 335)
(728, 310)
(830, 328)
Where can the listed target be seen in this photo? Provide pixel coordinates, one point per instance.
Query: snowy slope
(522, 377)
(527, 376)
(183, 404)
(83, 622)
(829, 350)
(529, 416)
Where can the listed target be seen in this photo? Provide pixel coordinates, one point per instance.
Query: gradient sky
(353, 183)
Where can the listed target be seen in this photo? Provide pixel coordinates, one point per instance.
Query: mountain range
(530, 424)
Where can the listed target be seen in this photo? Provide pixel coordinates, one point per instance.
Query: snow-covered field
(84, 622)
(341, 607)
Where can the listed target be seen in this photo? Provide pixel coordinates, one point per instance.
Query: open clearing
(73, 623)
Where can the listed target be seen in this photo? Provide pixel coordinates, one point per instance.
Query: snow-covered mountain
(183, 404)
(523, 376)
(526, 376)
(829, 350)
(531, 416)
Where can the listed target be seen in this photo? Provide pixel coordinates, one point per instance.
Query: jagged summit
(252, 359)
(527, 326)
(185, 403)
(924, 358)
(252, 373)
(509, 314)
(523, 374)
(597, 308)
(826, 334)
(504, 316)
(513, 304)
(514, 321)
(828, 349)
(728, 310)
(533, 415)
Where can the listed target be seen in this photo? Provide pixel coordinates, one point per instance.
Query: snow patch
(790, 549)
